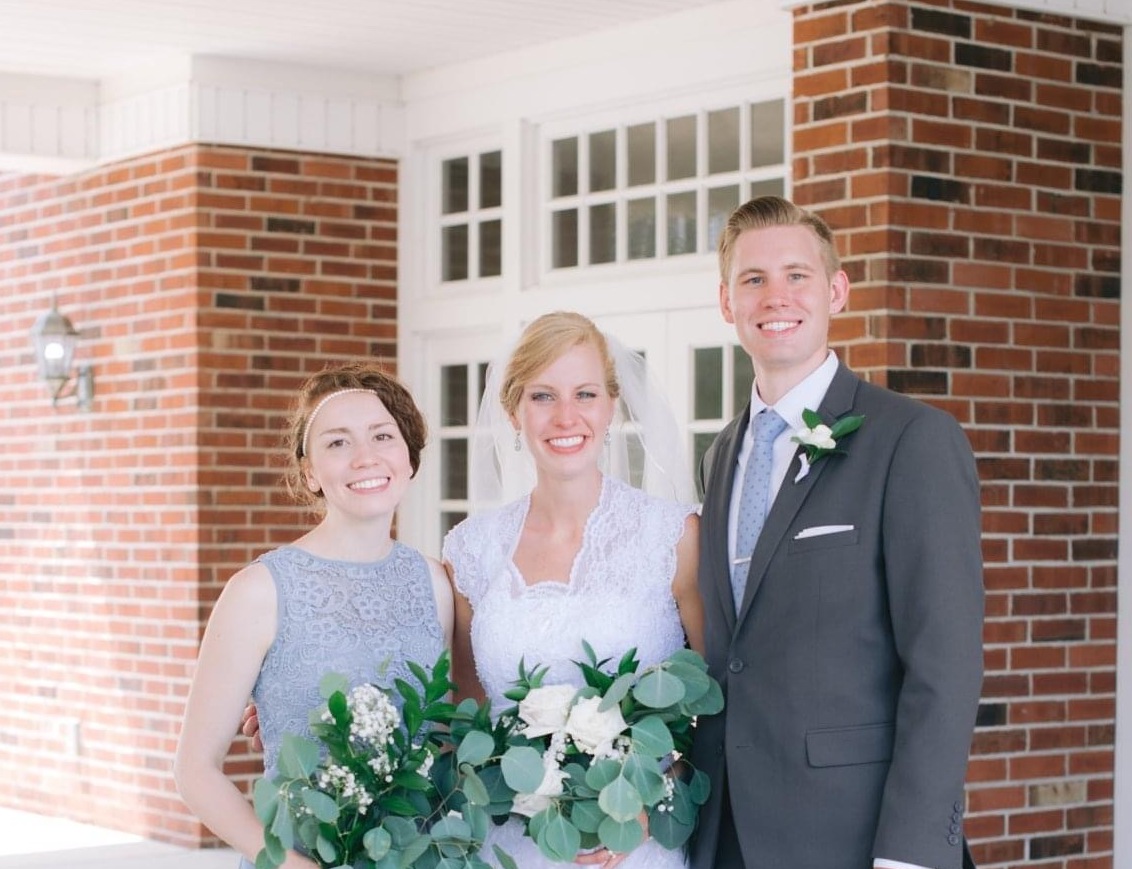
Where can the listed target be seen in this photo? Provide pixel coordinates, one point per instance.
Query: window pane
(707, 377)
(743, 380)
(771, 187)
(642, 228)
(481, 381)
(491, 248)
(603, 234)
(603, 160)
(700, 443)
(454, 253)
(454, 468)
(681, 223)
(564, 238)
(454, 395)
(491, 179)
(564, 166)
(720, 203)
(642, 154)
(723, 141)
(681, 147)
(454, 186)
(768, 133)
(448, 521)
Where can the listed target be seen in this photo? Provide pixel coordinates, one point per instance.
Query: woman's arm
(463, 664)
(239, 633)
(685, 584)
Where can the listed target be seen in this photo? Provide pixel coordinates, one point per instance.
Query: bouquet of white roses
(586, 764)
(360, 795)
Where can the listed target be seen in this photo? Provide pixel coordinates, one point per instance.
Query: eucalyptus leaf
(696, 681)
(401, 830)
(602, 773)
(265, 797)
(620, 800)
(522, 769)
(688, 656)
(331, 682)
(505, 860)
(668, 829)
(651, 737)
(298, 757)
(616, 692)
(450, 828)
(587, 815)
(273, 848)
(377, 843)
(642, 774)
(478, 821)
(710, 703)
(700, 787)
(264, 860)
(326, 850)
(658, 689)
(475, 748)
(413, 851)
(621, 837)
(474, 788)
(283, 827)
(322, 807)
(560, 840)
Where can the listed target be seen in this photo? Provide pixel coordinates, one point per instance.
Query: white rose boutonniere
(819, 440)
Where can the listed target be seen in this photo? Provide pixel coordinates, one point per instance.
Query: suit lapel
(721, 483)
(791, 496)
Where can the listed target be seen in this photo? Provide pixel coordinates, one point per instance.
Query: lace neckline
(522, 582)
(306, 553)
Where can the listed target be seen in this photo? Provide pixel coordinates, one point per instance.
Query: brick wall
(969, 157)
(208, 282)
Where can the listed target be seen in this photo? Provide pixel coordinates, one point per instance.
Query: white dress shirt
(808, 394)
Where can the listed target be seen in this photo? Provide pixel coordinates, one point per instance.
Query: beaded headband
(318, 407)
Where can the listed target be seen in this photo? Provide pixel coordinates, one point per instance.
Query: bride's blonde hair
(542, 342)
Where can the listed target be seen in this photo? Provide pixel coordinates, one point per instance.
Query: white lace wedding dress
(618, 596)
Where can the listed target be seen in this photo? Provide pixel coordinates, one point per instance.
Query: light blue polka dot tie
(753, 503)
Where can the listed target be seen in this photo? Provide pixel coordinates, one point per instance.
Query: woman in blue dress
(345, 597)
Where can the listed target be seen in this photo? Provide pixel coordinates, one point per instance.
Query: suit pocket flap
(844, 746)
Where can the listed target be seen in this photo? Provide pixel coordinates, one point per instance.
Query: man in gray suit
(852, 661)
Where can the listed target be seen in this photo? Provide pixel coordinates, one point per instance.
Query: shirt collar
(808, 394)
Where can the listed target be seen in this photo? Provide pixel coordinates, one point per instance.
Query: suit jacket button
(958, 806)
(735, 665)
(957, 817)
(952, 839)
(955, 828)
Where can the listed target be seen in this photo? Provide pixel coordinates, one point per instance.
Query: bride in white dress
(582, 555)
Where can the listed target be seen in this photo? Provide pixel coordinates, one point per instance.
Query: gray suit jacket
(853, 669)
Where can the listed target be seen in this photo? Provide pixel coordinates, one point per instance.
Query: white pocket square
(821, 531)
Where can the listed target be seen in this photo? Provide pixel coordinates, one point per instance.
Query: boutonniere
(818, 439)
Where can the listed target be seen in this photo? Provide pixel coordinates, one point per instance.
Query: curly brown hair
(364, 375)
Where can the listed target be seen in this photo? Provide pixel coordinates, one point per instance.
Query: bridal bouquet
(584, 766)
(360, 794)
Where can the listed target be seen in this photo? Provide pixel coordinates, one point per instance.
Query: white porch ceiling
(94, 39)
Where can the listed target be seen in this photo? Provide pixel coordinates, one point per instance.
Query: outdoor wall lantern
(55, 338)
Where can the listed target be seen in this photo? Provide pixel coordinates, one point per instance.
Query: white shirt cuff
(881, 863)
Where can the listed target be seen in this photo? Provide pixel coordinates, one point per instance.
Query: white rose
(544, 710)
(590, 728)
(819, 436)
(550, 786)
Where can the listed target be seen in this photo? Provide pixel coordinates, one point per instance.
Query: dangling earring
(518, 442)
(608, 438)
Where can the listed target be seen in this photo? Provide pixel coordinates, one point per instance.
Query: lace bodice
(619, 593)
(362, 620)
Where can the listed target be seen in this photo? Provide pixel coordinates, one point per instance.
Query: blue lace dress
(364, 620)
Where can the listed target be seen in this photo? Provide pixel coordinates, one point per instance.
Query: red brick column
(208, 283)
(969, 157)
